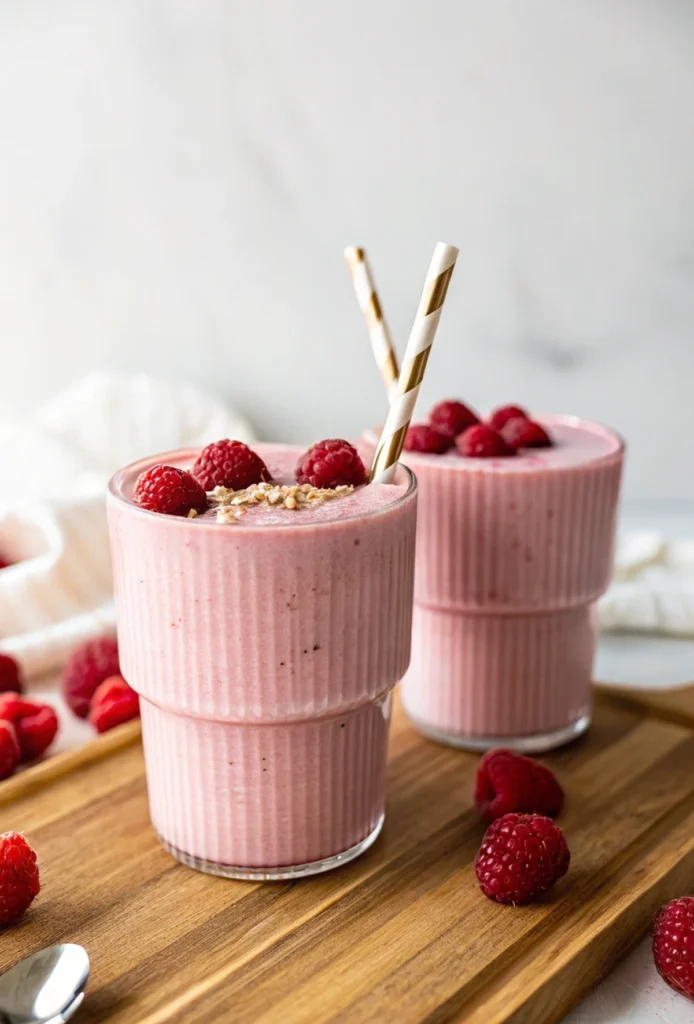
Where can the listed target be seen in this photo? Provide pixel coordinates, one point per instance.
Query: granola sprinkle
(231, 505)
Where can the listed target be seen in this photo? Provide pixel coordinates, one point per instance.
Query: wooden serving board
(402, 934)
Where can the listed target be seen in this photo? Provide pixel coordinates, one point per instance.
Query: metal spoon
(46, 987)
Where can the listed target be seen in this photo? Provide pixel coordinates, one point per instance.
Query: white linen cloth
(653, 587)
(54, 468)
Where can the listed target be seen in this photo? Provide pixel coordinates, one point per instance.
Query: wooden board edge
(674, 704)
(665, 874)
(46, 772)
(595, 961)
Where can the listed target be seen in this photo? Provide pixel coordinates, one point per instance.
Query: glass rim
(115, 493)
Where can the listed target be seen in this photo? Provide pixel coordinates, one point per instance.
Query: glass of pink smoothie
(512, 554)
(265, 652)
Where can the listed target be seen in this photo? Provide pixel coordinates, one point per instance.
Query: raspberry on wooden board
(521, 856)
(507, 782)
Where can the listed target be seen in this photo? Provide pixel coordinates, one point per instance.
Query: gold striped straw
(367, 297)
(414, 363)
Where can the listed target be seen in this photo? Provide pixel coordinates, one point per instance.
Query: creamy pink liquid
(265, 652)
(511, 556)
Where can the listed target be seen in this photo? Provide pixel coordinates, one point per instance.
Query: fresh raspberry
(506, 782)
(113, 703)
(673, 944)
(481, 442)
(331, 463)
(169, 490)
(36, 724)
(10, 674)
(522, 433)
(19, 877)
(10, 750)
(4, 564)
(452, 418)
(423, 438)
(87, 666)
(229, 464)
(505, 413)
(521, 856)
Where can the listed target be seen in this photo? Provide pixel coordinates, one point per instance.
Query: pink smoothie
(512, 554)
(265, 652)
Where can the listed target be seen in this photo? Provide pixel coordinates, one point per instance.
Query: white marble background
(178, 179)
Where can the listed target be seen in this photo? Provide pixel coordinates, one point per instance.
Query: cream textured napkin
(653, 587)
(54, 469)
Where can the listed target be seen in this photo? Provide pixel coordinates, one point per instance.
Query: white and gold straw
(414, 363)
(367, 297)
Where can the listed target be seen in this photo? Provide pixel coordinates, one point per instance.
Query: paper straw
(414, 363)
(367, 297)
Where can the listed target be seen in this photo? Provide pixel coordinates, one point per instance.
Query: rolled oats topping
(231, 505)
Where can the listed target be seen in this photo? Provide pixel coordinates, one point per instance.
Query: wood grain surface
(402, 934)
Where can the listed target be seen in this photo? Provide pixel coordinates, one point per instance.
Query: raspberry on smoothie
(500, 417)
(521, 432)
(230, 464)
(452, 418)
(422, 437)
(237, 480)
(481, 442)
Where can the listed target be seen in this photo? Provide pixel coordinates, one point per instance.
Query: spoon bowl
(47, 986)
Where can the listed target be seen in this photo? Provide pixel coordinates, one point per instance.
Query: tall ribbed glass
(512, 555)
(265, 657)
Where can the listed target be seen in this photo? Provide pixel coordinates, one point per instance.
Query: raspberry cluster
(452, 424)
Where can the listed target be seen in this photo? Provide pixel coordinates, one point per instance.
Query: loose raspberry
(113, 703)
(10, 674)
(506, 782)
(169, 490)
(522, 433)
(10, 750)
(452, 418)
(229, 464)
(88, 666)
(423, 438)
(331, 463)
(36, 724)
(673, 944)
(481, 442)
(521, 856)
(19, 877)
(505, 413)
